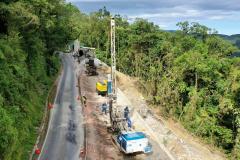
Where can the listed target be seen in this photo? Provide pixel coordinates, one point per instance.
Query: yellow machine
(101, 88)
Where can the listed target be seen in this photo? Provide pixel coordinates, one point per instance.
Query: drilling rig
(128, 140)
(117, 121)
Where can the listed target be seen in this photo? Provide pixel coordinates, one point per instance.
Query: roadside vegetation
(30, 32)
(188, 73)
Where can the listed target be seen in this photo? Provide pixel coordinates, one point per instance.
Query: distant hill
(170, 30)
(235, 38)
(234, 55)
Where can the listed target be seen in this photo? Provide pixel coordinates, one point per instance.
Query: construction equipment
(128, 140)
(101, 88)
(132, 142)
(79, 53)
(89, 54)
(91, 69)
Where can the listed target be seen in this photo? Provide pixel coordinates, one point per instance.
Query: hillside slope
(30, 32)
(169, 133)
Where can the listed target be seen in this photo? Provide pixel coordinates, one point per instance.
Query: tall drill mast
(113, 58)
(118, 118)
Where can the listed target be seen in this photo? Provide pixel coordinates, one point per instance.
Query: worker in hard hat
(129, 122)
(126, 112)
(104, 108)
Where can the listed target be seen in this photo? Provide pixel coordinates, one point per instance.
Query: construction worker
(126, 112)
(104, 108)
(129, 122)
(126, 115)
(84, 100)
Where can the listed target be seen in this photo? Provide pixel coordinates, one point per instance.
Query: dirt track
(99, 144)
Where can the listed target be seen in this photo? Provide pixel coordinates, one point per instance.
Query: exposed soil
(180, 143)
(99, 145)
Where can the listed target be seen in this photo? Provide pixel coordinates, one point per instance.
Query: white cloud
(191, 14)
(167, 13)
(163, 26)
(216, 17)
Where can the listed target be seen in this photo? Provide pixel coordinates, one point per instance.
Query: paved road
(65, 135)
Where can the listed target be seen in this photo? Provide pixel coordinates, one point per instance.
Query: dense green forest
(30, 32)
(187, 74)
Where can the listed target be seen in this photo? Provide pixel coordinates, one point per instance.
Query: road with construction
(74, 127)
(69, 120)
(65, 135)
(70, 136)
(81, 126)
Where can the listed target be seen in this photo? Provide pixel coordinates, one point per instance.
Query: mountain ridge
(234, 38)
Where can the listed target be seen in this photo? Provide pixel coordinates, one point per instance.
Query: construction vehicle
(132, 142)
(91, 69)
(128, 140)
(89, 54)
(101, 88)
(85, 52)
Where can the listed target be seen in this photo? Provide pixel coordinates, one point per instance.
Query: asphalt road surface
(65, 136)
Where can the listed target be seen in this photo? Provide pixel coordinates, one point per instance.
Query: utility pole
(113, 59)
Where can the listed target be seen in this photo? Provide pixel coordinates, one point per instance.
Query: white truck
(133, 142)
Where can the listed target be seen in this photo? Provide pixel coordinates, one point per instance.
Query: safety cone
(50, 106)
(38, 151)
(82, 153)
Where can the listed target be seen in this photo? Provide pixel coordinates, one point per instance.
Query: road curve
(65, 136)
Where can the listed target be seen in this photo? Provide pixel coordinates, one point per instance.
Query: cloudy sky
(223, 15)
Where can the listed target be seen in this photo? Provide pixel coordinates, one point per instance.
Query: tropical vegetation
(187, 74)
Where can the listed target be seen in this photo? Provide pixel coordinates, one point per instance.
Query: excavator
(101, 88)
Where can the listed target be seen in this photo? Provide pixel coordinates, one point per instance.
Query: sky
(222, 15)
